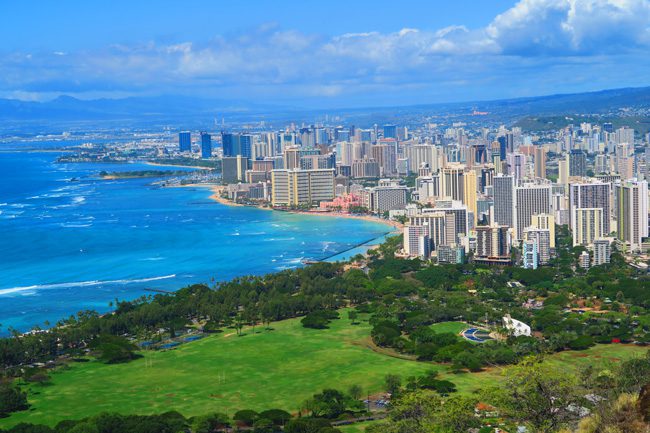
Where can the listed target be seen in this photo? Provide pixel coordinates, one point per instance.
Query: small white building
(515, 327)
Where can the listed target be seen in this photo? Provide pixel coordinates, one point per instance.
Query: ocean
(70, 241)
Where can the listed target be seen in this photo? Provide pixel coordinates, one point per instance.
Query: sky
(322, 53)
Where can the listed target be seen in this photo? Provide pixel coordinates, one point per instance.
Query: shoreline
(218, 189)
(158, 164)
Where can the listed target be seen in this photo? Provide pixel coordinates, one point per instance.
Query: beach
(217, 191)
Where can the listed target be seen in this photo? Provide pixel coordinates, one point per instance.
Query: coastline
(157, 164)
(217, 190)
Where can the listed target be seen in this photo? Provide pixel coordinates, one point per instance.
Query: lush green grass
(453, 327)
(359, 427)
(268, 369)
(224, 373)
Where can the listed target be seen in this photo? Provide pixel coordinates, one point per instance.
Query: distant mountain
(183, 109)
(67, 108)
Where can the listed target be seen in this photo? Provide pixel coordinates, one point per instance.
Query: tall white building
(632, 212)
(530, 199)
(299, 187)
(542, 240)
(602, 251)
(588, 225)
(423, 153)
(503, 190)
(594, 194)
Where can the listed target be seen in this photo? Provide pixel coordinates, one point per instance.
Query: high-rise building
(584, 260)
(591, 195)
(452, 181)
(624, 135)
(206, 145)
(390, 131)
(545, 221)
(504, 192)
(365, 168)
(460, 215)
(542, 240)
(386, 156)
(602, 251)
(517, 163)
(233, 169)
(411, 238)
(423, 153)
(237, 144)
(625, 166)
(301, 187)
(387, 198)
(530, 199)
(632, 212)
(492, 244)
(588, 225)
(578, 163)
(438, 227)
(185, 141)
(602, 164)
(563, 171)
(451, 254)
(540, 162)
(529, 255)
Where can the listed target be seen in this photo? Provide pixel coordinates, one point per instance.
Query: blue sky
(325, 53)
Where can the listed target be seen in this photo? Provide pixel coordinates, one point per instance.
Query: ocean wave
(279, 239)
(75, 225)
(151, 259)
(296, 261)
(36, 287)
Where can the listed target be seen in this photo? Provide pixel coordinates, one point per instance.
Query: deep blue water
(67, 245)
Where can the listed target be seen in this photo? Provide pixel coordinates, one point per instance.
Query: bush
(12, 399)
(306, 425)
(113, 350)
(319, 319)
(246, 417)
(277, 416)
(581, 343)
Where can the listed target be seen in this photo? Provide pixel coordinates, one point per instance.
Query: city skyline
(328, 55)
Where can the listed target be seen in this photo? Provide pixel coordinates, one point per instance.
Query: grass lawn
(359, 427)
(453, 327)
(225, 373)
(221, 373)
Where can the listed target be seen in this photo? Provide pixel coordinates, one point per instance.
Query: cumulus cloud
(533, 34)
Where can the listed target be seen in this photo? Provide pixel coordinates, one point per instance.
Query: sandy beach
(217, 190)
(177, 165)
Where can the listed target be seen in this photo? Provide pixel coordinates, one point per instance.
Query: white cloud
(529, 39)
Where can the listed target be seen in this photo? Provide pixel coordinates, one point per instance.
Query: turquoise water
(69, 245)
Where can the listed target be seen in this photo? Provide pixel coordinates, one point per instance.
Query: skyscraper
(237, 144)
(492, 244)
(632, 212)
(298, 187)
(206, 145)
(578, 163)
(529, 254)
(540, 162)
(588, 225)
(390, 131)
(185, 141)
(503, 191)
(530, 199)
(591, 195)
(542, 240)
(452, 181)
